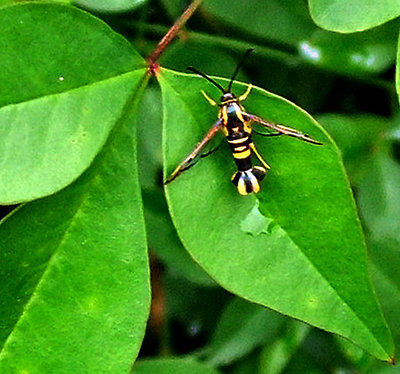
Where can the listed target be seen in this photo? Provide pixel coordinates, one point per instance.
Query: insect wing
(262, 130)
(204, 148)
(279, 129)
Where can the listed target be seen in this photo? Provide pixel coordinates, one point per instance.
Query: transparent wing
(202, 149)
(278, 129)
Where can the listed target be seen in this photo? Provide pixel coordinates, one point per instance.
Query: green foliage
(63, 258)
(351, 16)
(86, 139)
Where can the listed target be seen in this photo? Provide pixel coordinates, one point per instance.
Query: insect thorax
(231, 114)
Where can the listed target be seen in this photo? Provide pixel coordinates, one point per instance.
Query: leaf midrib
(74, 89)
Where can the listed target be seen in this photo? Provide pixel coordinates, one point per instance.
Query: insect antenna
(239, 65)
(207, 77)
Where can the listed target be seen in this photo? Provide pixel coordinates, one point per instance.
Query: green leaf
(74, 272)
(242, 327)
(172, 366)
(351, 16)
(61, 93)
(107, 6)
(312, 265)
(368, 52)
(285, 22)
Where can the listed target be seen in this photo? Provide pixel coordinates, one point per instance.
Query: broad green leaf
(74, 272)
(61, 92)
(107, 6)
(286, 22)
(312, 263)
(172, 366)
(351, 16)
(242, 327)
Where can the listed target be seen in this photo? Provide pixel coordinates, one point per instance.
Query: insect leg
(187, 162)
(254, 149)
(208, 98)
(244, 96)
(279, 128)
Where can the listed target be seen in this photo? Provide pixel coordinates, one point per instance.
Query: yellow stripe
(241, 148)
(237, 141)
(243, 154)
(241, 187)
(239, 115)
(224, 115)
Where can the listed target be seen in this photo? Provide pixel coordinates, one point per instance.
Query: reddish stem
(170, 35)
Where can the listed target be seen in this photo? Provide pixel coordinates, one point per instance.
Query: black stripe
(243, 164)
(249, 185)
(236, 177)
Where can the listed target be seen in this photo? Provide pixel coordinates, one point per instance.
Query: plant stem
(170, 35)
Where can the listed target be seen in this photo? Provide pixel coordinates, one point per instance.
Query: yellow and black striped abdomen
(241, 151)
(247, 178)
(238, 135)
